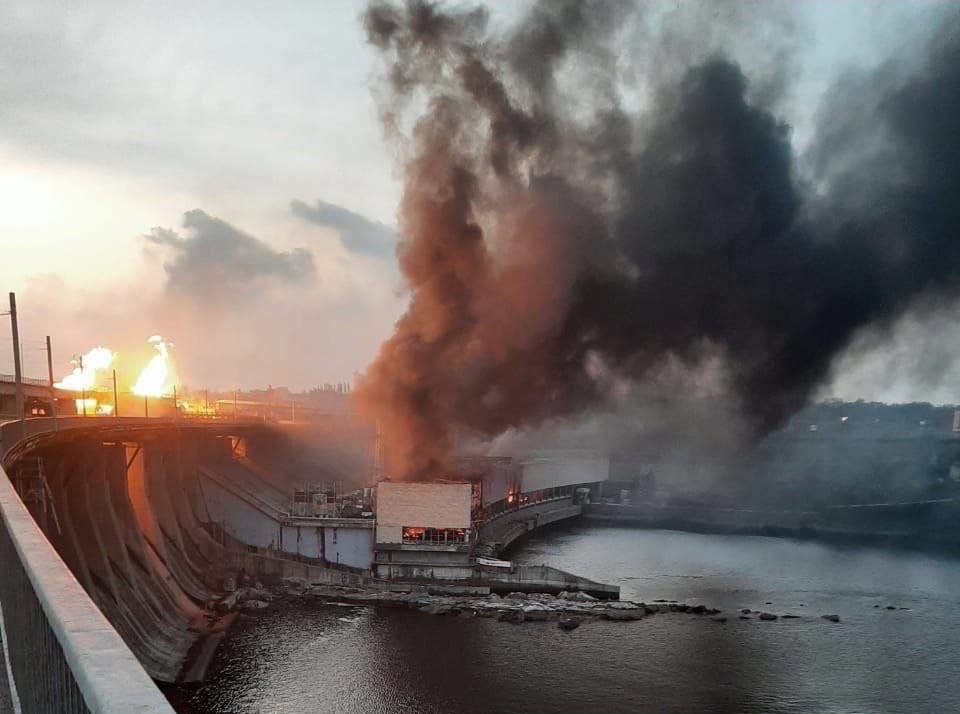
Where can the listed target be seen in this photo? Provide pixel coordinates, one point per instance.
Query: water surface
(315, 658)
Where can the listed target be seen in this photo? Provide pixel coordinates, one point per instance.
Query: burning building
(424, 530)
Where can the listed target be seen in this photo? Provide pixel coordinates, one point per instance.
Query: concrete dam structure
(120, 536)
(151, 518)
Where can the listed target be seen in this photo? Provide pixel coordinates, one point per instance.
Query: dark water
(347, 659)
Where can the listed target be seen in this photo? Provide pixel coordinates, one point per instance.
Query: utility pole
(18, 375)
(53, 393)
(116, 404)
(145, 410)
(83, 390)
(175, 409)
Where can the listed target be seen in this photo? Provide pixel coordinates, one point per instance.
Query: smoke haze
(566, 235)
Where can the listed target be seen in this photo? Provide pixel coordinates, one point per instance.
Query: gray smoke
(555, 249)
(216, 262)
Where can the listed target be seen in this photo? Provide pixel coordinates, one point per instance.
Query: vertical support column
(53, 394)
(116, 403)
(83, 389)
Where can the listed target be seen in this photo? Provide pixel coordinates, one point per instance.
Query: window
(434, 536)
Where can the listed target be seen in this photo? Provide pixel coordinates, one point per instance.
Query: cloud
(358, 233)
(218, 261)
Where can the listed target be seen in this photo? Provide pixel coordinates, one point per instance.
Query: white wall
(349, 546)
(563, 468)
(423, 505)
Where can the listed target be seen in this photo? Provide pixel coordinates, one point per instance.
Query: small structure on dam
(424, 530)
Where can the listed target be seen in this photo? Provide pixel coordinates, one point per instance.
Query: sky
(217, 173)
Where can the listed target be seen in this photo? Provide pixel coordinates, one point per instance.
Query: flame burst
(85, 377)
(156, 379)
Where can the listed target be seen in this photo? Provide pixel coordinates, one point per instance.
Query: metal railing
(26, 380)
(63, 653)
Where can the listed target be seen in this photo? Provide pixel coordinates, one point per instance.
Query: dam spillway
(138, 512)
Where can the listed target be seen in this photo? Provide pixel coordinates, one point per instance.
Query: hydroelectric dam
(120, 538)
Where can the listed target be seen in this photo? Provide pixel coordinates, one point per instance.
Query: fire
(92, 406)
(84, 375)
(156, 379)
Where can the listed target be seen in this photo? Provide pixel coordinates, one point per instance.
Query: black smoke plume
(557, 245)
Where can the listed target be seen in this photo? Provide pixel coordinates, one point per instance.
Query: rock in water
(568, 624)
(576, 596)
(767, 616)
(254, 605)
(832, 618)
(622, 615)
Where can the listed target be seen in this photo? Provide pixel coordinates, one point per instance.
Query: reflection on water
(312, 658)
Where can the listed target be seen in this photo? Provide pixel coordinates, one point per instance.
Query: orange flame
(85, 377)
(156, 379)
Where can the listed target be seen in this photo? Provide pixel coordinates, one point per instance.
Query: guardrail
(25, 380)
(64, 656)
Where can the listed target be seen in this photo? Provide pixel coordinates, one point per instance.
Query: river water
(313, 658)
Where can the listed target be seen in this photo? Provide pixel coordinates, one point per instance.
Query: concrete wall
(422, 505)
(127, 529)
(146, 528)
(239, 519)
(349, 546)
(563, 468)
(503, 530)
(64, 654)
(543, 578)
(337, 544)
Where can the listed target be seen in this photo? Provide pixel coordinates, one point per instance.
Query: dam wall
(498, 533)
(153, 517)
(60, 653)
